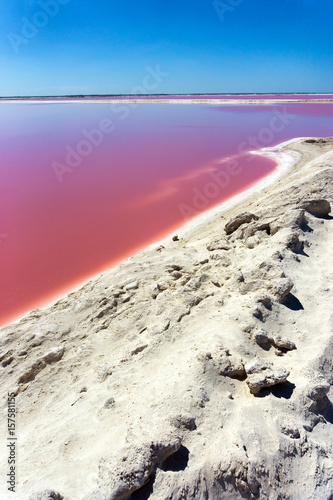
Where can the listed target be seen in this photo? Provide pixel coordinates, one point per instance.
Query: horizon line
(164, 95)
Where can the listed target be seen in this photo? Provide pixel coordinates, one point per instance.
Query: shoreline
(286, 161)
(216, 341)
(165, 101)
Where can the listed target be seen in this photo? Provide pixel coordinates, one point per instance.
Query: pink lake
(83, 186)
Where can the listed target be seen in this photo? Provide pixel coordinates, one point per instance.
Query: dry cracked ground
(198, 369)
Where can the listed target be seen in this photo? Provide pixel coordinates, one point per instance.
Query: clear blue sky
(105, 47)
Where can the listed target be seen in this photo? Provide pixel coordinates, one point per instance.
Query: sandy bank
(198, 368)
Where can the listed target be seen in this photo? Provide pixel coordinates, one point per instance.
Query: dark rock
(176, 274)
(138, 349)
(261, 338)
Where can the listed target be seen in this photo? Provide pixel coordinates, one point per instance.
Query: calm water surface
(83, 186)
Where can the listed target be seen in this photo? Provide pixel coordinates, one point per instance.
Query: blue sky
(58, 47)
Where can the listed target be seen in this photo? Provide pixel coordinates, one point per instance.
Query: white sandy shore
(202, 369)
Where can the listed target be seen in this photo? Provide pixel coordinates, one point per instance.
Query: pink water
(148, 169)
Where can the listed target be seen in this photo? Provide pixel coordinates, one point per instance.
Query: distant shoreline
(177, 99)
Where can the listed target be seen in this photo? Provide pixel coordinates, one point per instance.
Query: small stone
(175, 238)
(252, 242)
(109, 403)
(262, 373)
(230, 396)
(193, 284)
(132, 286)
(103, 373)
(319, 389)
(54, 355)
(226, 364)
(38, 339)
(261, 338)
(138, 349)
(257, 313)
(155, 291)
(105, 311)
(173, 267)
(6, 358)
(280, 288)
(203, 261)
(125, 298)
(265, 300)
(239, 277)
(282, 343)
(237, 221)
(176, 274)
